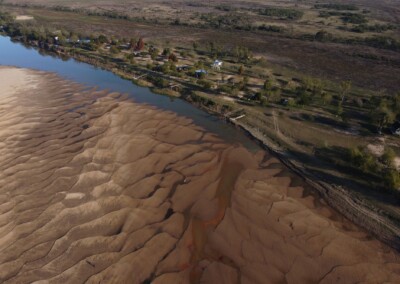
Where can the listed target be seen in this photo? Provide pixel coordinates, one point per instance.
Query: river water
(16, 54)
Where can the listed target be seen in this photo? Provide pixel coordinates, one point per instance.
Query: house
(83, 41)
(217, 65)
(182, 68)
(125, 46)
(200, 72)
(395, 129)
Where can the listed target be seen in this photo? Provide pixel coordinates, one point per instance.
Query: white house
(217, 64)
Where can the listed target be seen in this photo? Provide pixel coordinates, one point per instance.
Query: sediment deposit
(96, 188)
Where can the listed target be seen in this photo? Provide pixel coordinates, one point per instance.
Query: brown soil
(97, 188)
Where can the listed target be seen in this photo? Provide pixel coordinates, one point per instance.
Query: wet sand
(96, 188)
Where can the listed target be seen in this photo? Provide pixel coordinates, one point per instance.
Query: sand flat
(118, 192)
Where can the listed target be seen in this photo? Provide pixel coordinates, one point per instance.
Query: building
(182, 68)
(217, 65)
(200, 73)
(395, 129)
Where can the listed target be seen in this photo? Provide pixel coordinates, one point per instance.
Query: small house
(395, 129)
(83, 40)
(181, 68)
(200, 72)
(217, 65)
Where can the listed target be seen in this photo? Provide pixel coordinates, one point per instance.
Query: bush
(392, 179)
(323, 36)
(114, 49)
(354, 18)
(332, 6)
(388, 157)
(282, 13)
(363, 160)
(205, 84)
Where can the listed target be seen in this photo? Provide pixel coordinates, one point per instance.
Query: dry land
(95, 187)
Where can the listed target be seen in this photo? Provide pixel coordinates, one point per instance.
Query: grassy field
(329, 60)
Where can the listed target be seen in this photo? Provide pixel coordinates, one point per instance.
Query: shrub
(334, 6)
(354, 18)
(114, 49)
(388, 157)
(282, 13)
(363, 160)
(205, 84)
(392, 179)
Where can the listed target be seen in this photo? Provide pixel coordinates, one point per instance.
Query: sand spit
(95, 188)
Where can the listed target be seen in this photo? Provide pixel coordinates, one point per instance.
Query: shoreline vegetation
(258, 104)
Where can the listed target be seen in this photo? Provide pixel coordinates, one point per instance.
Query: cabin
(83, 41)
(181, 68)
(395, 129)
(217, 65)
(125, 46)
(200, 72)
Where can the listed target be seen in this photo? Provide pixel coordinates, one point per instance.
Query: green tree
(392, 179)
(382, 116)
(345, 87)
(114, 49)
(241, 69)
(195, 46)
(388, 157)
(154, 53)
(267, 85)
(172, 57)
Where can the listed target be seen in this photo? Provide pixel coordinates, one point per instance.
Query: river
(19, 55)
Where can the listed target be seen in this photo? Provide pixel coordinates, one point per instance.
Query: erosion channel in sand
(96, 188)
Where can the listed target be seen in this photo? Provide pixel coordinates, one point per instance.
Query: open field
(365, 66)
(95, 187)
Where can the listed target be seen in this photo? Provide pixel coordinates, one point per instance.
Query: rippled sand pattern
(95, 188)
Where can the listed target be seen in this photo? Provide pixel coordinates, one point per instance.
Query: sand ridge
(96, 188)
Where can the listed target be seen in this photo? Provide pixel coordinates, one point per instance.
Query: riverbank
(94, 186)
(352, 205)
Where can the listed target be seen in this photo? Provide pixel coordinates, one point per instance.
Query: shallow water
(16, 54)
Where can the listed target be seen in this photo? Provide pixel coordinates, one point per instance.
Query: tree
(132, 43)
(114, 49)
(323, 36)
(240, 71)
(195, 46)
(303, 95)
(388, 157)
(172, 57)
(139, 45)
(392, 179)
(166, 51)
(345, 87)
(383, 115)
(267, 85)
(101, 39)
(154, 53)
(326, 98)
(317, 87)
